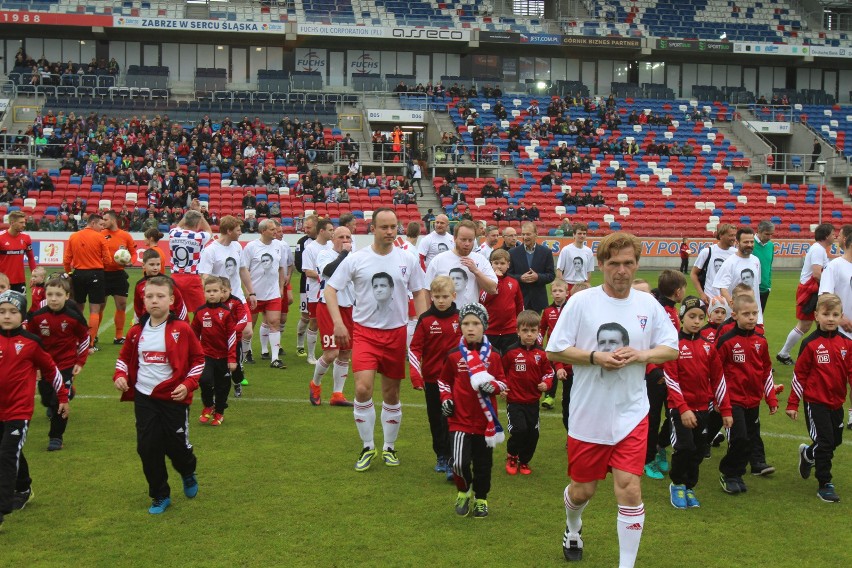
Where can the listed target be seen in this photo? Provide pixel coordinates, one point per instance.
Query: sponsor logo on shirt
(18, 347)
(154, 357)
(685, 352)
(738, 354)
(44, 329)
(823, 356)
(206, 321)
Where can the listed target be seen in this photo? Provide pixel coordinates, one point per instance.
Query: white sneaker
(311, 359)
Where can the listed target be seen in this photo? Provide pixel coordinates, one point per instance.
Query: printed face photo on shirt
(717, 264)
(611, 337)
(230, 266)
(747, 276)
(442, 247)
(459, 278)
(578, 264)
(382, 286)
(266, 261)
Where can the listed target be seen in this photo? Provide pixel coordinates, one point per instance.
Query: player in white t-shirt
(837, 279)
(576, 262)
(286, 293)
(186, 241)
(327, 262)
(717, 254)
(409, 244)
(266, 268)
(470, 272)
(492, 237)
(309, 226)
(312, 290)
(382, 276)
(742, 267)
(436, 242)
(609, 334)
(816, 260)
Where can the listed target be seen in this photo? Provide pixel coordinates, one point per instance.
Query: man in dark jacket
(532, 266)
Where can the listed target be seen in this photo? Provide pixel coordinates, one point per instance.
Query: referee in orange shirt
(86, 254)
(116, 280)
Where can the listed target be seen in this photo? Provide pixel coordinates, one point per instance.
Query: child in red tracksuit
(37, 288)
(718, 312)
(21, 355)
(436, 334)
(151, 265)
(471, 377)
(549, 317)
(695, 384)
(158, 367)
(214, 325)
(64, 332)
(528, 374)
(748, 374)
(240, 317)
(823, 371)
(504, 306)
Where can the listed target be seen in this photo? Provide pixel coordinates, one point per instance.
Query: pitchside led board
(50, 251)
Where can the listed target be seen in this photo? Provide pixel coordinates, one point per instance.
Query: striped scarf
(477, 367)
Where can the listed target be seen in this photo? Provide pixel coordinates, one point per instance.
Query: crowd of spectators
(44, 72)
(438, 90)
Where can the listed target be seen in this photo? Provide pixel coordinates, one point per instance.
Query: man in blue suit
(532, 266)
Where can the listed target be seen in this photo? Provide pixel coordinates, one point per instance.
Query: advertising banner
(605, 42)
(197, 25)
(51, 19)
(541, 39)
(380, 32)
(695, 45)
(308, 59)
(500, 37)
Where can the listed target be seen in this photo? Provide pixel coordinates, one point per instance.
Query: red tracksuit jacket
(454, 383)
(437, 333)
(178, 307)
(710, 332)
(184, 354)
(695, 379)
(213, 324)
(549, 317)
(21, 355)
(65, 334)
(525, 368)
(239, 315)
(504, 306)
(747, 367)
(823, 369)
(38, 296)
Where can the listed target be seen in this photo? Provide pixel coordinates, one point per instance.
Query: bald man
(510, 239)
(436, 242)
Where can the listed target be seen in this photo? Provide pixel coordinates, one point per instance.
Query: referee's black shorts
(117, 283)
(88, 283)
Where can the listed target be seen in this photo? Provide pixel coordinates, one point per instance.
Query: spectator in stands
(533, 109)
(250, 224)
(620, 174)
(498, 214)
(44, 224)
(551, 179)
(262, 209)
(249, 201)
(45, 183)
(31, 224)
(686, 149)
(598, 200)
(533, 213)
(6, 196)
(500, 111)
(488, 190)
(511, 214)
(815, 153)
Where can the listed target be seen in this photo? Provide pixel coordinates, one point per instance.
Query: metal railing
(370, 153)
(484, 157)
(797, 165)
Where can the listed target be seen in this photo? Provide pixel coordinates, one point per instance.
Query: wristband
(250, 295)
(592, 357)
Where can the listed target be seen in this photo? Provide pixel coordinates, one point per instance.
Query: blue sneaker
(190, 486)
(450, 476)
(662, 460)
(827, 493)
(441, 465)
(691, 499)
(678, 496)
(159, 506)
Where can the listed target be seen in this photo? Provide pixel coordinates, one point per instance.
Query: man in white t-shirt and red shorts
(609, 333)
(265, 266)
(382, 276)
(321, 242)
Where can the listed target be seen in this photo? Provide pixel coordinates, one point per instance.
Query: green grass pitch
(278, 488)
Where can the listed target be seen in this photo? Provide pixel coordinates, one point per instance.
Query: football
(122, 257)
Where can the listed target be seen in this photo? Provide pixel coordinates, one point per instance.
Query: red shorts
(804, 292)
(589, 462)
(312, 309)
(412, 311)
(381, 350)
(191, 290)
(326, 325)
(267, 306)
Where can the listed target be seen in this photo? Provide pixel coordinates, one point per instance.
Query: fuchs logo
(311, 62)
(365, 64)
(643, 321)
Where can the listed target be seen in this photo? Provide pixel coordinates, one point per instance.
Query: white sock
(312, 342)
(264, 338)
(365, 420)
(320, 369)
(573, 512)
(792, 339)
(301, 328)
(391, 420)
(246, 343)
(341, 369)
(631, 522)
(274, 344)
(409, 332)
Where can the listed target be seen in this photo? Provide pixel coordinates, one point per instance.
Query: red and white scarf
(477, 367)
